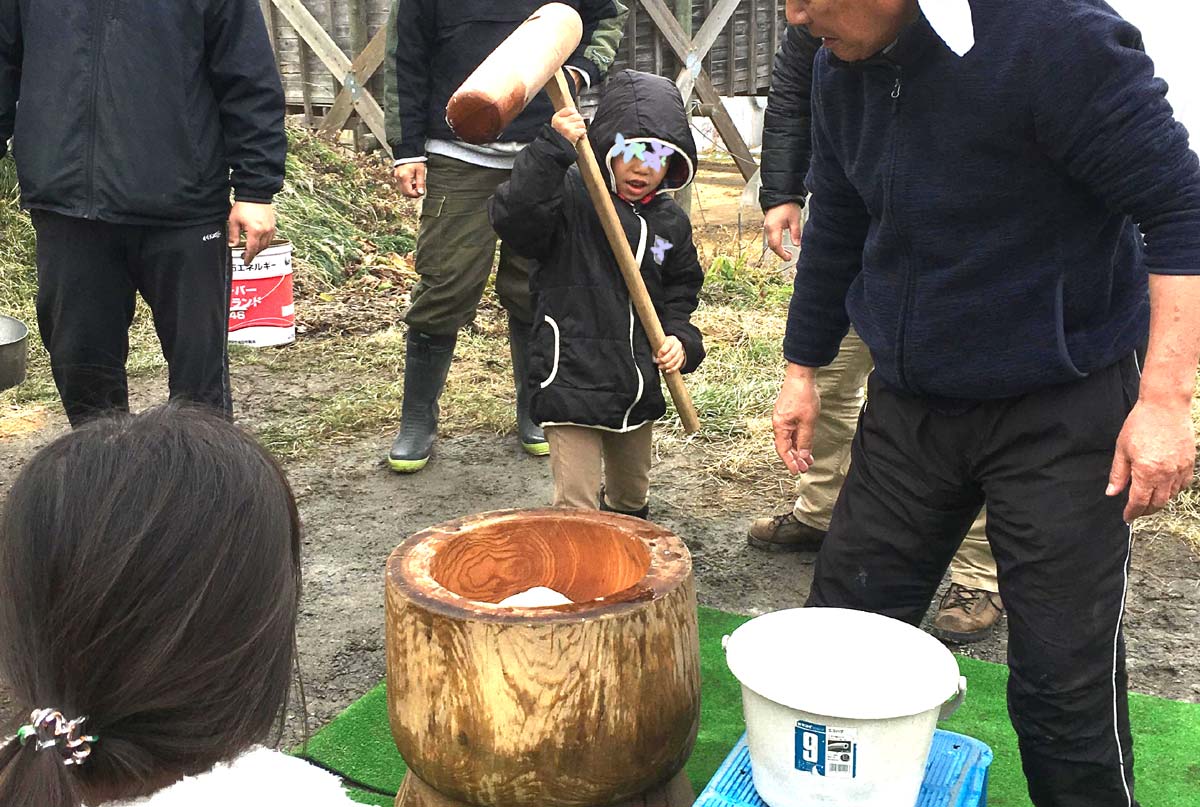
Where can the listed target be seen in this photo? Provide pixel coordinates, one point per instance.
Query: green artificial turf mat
(1166, 734)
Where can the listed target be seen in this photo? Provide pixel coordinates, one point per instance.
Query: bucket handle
(951, 706)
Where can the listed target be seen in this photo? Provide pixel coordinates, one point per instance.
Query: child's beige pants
(582, 457)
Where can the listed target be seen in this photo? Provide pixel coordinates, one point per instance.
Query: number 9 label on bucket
(826, 751)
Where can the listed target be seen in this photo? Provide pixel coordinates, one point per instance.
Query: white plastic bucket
(840, 705)
(262, 311)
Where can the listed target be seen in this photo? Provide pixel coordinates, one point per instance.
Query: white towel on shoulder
(952, 21)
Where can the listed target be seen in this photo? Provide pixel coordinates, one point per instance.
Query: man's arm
(1156, 450)
(407, 82)
(245, 80)
(603, 28)
(787, 138)
(787, 121)
(10, 68)
(1103, 116)
(817, 322)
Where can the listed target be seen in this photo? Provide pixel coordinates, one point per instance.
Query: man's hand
(257, 222)
(795, 418)
(1156, 449)
(671, 356)
(411, 179)
(780, 218)
(570, 124)
(1156, 452)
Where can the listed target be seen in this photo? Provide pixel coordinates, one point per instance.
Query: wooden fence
(329, 53)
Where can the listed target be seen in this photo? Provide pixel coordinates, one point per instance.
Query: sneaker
(784, 533)
(967, 615)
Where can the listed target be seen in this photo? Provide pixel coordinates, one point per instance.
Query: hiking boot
(784, 533)
(967, 615)
(426, 364)
(533, 439)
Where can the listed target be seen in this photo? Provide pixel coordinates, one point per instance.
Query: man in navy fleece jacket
(1003, 228)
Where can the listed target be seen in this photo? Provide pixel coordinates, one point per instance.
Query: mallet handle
(560, 95)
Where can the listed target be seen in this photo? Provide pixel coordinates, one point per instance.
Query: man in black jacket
(135, 120)
(1004, 206)
(433, 46)
(971, 607)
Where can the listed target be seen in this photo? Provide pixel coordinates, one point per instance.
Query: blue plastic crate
(955, 776)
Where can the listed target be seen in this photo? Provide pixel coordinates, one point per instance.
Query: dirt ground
(356, 511)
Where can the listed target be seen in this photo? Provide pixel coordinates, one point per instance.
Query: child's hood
(642, 108)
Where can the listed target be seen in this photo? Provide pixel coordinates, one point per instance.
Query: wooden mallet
(491, 98)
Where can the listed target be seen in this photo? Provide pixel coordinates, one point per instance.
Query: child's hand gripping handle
(560, 94)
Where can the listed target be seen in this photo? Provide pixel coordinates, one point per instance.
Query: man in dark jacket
(971, 607)
(998, 211)
(433, 46)
(135, 120)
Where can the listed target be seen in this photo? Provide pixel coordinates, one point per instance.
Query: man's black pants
(89, 275)
(918, 476)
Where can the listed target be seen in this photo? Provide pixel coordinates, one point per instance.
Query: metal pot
(13, 338)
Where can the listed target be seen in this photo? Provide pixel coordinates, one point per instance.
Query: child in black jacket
(593, 376)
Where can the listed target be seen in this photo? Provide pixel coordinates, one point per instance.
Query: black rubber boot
(643, 513)
(533, 439)
(426, 364)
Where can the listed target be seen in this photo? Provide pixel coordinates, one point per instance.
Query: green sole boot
(426, 364)
(533, 439)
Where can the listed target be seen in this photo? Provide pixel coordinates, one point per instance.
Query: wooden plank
(306, 86)
(726, 127)
(335, 60)
(684, 11)
(774, 30)
(671, 30)
(716, 21)
(269, 21)
(689, 51)
(358, 42)
(315, 36)
(731, 57)
(329, 23)
(753, 45)
(363, 67)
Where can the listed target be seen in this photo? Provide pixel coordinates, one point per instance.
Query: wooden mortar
(594, 703)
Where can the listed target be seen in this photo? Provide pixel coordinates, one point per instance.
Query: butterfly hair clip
(657, 155)
(628, 150)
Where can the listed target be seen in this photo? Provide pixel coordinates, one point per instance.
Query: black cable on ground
(350, 780)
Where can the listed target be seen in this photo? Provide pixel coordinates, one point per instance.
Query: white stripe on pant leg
(1116, 639)
(1116, 644)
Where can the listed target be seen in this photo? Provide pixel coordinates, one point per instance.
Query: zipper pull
(896, 89)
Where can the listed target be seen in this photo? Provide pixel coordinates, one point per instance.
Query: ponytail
(149, 579)
(33, 778)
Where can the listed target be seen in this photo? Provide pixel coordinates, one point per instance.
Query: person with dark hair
(132, 124)
(149, 582)
(972, 606)
(433, 45)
